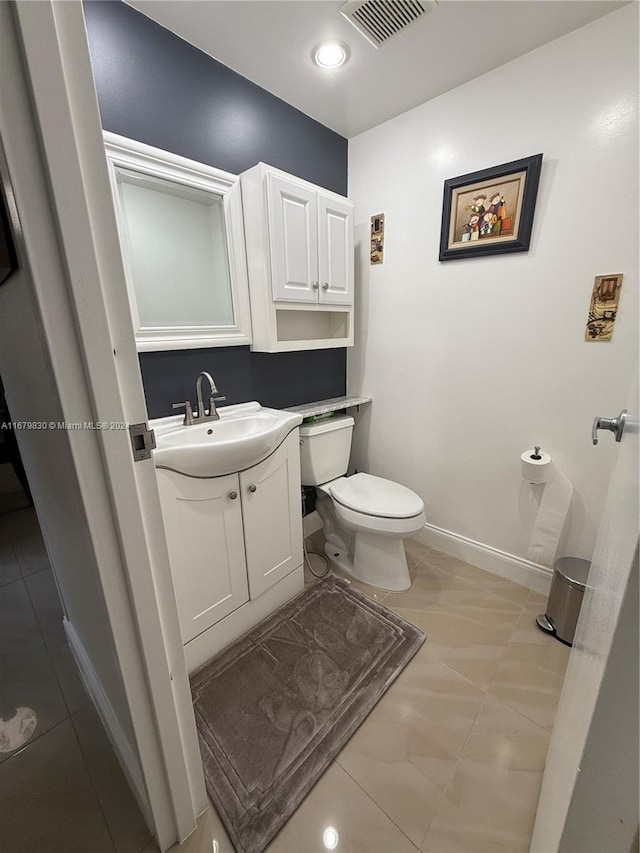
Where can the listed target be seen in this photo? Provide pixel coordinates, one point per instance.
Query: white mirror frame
(127, 153)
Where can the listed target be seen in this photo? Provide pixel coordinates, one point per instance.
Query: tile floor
(449, 761)
(451, 758)
(64, 791)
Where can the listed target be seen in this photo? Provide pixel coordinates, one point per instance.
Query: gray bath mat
(275, 708)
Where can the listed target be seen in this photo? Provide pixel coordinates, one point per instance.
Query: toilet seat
(355, 522)
(376, 497)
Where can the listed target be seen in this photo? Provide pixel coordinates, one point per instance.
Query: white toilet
(365, 518)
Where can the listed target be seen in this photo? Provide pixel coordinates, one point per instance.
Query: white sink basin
(245, 435)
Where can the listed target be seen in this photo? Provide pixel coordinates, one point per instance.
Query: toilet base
(373, 558)
(339, 558)
(383, 562)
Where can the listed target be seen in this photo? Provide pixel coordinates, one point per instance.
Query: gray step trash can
(565, 598)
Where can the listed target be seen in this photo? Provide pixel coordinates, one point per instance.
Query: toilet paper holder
(614, 425)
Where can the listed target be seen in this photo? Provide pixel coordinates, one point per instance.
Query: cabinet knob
(315, 285)
(325, 286)
(233, 495)
(253, 488)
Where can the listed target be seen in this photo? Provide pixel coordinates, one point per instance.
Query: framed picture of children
(490, 212)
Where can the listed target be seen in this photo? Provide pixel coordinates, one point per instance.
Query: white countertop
(323, 407)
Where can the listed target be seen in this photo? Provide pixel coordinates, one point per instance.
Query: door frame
(55, 56)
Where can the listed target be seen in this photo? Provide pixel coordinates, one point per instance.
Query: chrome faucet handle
(213, 412)
(188, 412)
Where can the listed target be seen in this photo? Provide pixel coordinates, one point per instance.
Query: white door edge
(574, 735)
(56, 56)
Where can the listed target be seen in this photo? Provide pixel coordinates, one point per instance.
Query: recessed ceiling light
(330, 54)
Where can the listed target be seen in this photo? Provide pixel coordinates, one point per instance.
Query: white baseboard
(311, 523)
(123, 749)
(524, 572)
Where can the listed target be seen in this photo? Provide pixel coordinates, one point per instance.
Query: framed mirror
(182, 239)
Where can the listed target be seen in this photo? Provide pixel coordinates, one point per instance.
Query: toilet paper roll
(536, 470)
(553, 509)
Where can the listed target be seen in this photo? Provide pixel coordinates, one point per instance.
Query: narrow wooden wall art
(377, 239)
(603, 307)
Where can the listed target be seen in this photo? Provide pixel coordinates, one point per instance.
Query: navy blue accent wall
(156, 88)
(274, 379)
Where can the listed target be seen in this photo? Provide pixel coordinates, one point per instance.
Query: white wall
(470, 362)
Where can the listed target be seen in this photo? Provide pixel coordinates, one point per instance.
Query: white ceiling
(271, 42)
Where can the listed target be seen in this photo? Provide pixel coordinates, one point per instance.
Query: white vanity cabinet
(235, 543)
(300, 252)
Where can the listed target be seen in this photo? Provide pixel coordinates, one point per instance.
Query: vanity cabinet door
(272, 516)
(203, 523)
(335, 250)
(293, 238)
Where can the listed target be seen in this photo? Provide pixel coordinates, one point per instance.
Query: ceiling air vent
(379, 20)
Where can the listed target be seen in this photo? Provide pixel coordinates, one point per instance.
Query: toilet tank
(324, 449)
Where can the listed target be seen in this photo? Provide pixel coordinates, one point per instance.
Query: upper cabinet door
(293, 229)
(335, 239)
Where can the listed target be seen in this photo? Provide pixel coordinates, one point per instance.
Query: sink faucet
(213, 395)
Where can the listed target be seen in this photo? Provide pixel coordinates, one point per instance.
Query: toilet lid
(376, 496)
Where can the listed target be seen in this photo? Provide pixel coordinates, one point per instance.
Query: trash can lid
(574, 570)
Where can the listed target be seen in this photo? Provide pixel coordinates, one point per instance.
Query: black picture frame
(519, 181)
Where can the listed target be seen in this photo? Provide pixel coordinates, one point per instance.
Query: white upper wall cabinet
(182, 239)
(310, 241)
(301, 262)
